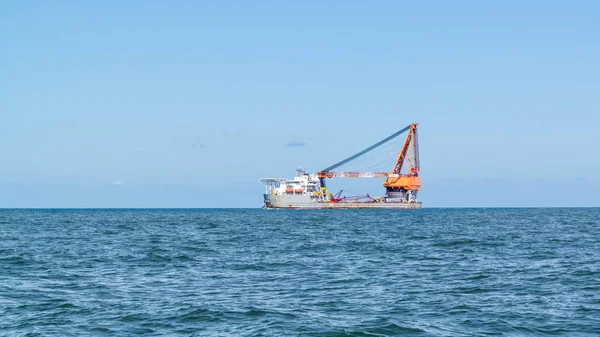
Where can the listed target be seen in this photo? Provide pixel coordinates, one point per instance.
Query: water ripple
(432, 272)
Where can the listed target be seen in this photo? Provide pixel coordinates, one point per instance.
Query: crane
(397, 184)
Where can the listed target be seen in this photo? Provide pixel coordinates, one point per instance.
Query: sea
(255, 272)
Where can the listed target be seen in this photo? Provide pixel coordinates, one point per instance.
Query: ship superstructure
(308, 190)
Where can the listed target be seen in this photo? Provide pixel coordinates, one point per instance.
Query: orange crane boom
(396, 184)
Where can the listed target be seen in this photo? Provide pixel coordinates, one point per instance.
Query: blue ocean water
(235, 272)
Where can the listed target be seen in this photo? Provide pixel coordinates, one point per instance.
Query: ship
(309, 190)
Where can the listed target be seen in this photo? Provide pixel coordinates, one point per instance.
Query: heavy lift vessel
(308, 191)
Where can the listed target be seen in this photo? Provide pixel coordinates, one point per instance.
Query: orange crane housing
(409, 181)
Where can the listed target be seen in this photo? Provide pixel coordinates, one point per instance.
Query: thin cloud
(295, 143)
(118, 183)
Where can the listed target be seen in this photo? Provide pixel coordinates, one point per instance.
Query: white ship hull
(303, 201)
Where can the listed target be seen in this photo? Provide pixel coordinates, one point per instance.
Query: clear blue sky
(188, 103)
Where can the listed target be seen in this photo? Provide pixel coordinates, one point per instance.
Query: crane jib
(369, 149)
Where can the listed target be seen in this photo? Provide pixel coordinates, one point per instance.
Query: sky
(189, 103)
